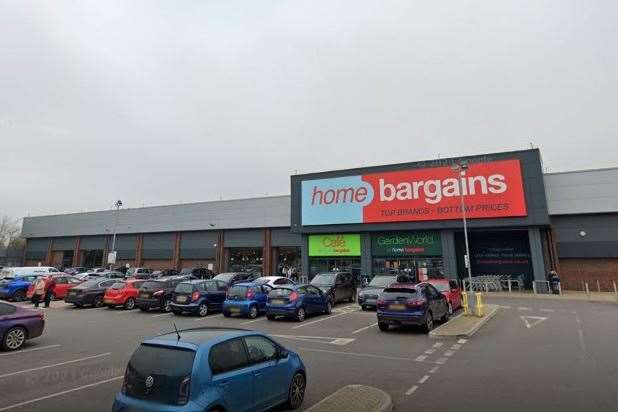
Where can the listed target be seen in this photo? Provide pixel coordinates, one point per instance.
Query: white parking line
(162, 314)
(53, 395)
(421, 358)
(547, 310)
(253, 321)
(208, 317)
(321, 320)
(430, 351)
(365, 328)
(434, 369)
(449, 353)
(441, 361)
(456, 346)
(361, 355)
(412, 390)
(423, 379)
(100, 355)
(523, 308)
(462, 341)
(438, 344)
(29, 350)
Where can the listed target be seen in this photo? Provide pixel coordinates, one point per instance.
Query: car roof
(269, 277)
(402, 285)
(247, 284)
(291, 286)
(195, 337)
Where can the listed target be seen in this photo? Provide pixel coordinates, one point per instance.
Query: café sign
(335, 245)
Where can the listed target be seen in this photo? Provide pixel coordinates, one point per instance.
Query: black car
(339, 286)
(75, 270)
(235, 277)
(90, 292)
(157, 294)
(368, 296)
(199, 296)
(199, 273)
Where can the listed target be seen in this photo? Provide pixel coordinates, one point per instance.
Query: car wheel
(227, 314)
(14, 338)
(428, 322)
(144, 309)
(450, 308)
(19, 295)
(296, 393)
(383, 326)
(253, 312)
(202, 310)
(167, 305)
(363, 307)
(129, 304)
(300, 314)
(98, 302)
(329, 308)
(270, 317)
(77, 305)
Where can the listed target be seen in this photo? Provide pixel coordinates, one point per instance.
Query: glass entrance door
(417, 266)
(330, 264)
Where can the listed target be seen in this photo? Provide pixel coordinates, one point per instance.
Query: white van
(27, 270)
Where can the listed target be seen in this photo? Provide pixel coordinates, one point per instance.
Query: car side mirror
(283, 353)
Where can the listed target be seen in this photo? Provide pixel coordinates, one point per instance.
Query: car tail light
(381, 301)
(293, 296)
(249, 294)
(158, 293)
(415, 303)
(195, 296)
(183, 391)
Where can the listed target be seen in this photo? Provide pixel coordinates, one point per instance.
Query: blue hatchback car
(297, 301)
(248, 299)
(211, 369)
(16, 288)
(198, 296)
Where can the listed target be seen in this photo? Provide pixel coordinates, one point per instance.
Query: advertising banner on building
(490, 189)
(406, 244)
(334, 245)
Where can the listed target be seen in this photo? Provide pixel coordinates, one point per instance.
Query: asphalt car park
(554, 355)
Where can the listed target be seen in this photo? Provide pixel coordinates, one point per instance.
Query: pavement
(463, 326)
(546, 355)
(566, 295)
(355, 398)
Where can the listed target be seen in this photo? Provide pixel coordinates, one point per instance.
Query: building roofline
(602, 169)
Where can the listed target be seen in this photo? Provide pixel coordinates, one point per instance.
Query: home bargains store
(408, 217)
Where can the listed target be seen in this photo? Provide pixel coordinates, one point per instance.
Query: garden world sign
(407, 244)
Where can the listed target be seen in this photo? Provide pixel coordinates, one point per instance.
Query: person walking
(49, 291)
(554, 280)
(39, 291)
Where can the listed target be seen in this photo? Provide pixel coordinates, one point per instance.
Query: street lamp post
(118, 205)
(462, 167)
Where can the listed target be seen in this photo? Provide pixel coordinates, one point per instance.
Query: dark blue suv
(16, 288)
(248, 299)
(211, 369)
(297, 301)
(198, 296)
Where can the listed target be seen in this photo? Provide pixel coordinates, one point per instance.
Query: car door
(315, 298)
(270, 372)
(436, 301)
(62, 285)
(233, 375)
(219, 295)
(262, 295)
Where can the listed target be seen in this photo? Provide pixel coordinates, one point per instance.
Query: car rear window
(442, 287)
(118, 285)
(153, 285)
(184, 288)
(237, 291)
(398, 293)
(280, 292)
(6, 309)
(167, 367)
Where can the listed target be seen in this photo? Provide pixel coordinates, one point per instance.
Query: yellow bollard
(464, 303)
(480, 308)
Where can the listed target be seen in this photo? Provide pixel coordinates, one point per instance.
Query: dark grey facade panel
(534, 190)
(587, 249)
(243, 238)
(37, 245)
(198, 253)
(284, 237)
(199, 245)
(36, 254)
(593, 236)
(92, 242)
(125, 246)
(163, 254)
(158, 245)
(64, 243)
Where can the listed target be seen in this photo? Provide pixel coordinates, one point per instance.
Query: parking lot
(550, 355)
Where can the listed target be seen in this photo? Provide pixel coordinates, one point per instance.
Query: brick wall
(575, 271)
(157, 264)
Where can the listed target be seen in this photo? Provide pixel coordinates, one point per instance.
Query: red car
(64, 282)
(122, 293)
(450, 289)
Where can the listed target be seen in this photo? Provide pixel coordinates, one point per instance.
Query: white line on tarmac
(456, 346)
(430, 351)
(365, 328)
(412, 390)
(162, 314)
(100, 355)
(421, 358)
(547, 310)
(523, 308)
(505, 307)
(423, 379)
(434, 369)
(253, 321)
(362, 355)
(321, 320)
(449, 353)
(438, 344)
(441, 361)
(462, 341)
(29, 350)
(208, 317)
(53, 395)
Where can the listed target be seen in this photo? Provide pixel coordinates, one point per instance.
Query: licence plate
(181, 299)
(277, 301)
(234, 310)
(397, 307)
(108, 301)
(144, 295)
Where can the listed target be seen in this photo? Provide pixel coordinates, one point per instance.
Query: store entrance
(330, 264)
(417, 266)
(245, 260)
(92, 258)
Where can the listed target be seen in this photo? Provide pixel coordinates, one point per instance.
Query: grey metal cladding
(92, 242)
(532, 175)
(592, 236)
(243, 238)
(125, 246)
(260, 212)
(37, 245)
(585, 191)
(198, 245)
(63, 243)
(283, 237)
(158, 245)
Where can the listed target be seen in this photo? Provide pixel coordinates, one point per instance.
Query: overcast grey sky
(157, 102)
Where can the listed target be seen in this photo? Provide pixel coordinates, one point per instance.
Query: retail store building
(371, 220)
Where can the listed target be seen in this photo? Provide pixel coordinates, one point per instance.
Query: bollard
(615, 290)
(559, 288)
(598, 286)
(534, 286)
(587, 289)
(510, 286)
(480, 308)
(486, 287)
(464, 303)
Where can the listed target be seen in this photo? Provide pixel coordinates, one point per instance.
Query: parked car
(407, 304)
(274, 281)
(18, 324)
(211, 369)
(63, 284)
(234, 277)
(199, 273)
(247, 299)
(450, 289)
(27, 270)
(122, 293)
(198, 296)
(339, 286)
(297, 301)
(111, 275)
(90, 292)
(157, 294)
(140, 273)
(86, 276)
(97, 270)
(368, 296)
(75, 270)
(16, 288)
(164, 273)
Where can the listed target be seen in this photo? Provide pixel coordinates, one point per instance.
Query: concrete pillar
(536, 253)
(449, 254)
(220, 262)
(366, 254)
(50, 252)
(76, 252)
(266, 253)
(138, 250)
(176, 256)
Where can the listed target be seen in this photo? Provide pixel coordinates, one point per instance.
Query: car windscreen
(118, 285)
(211, 286)
(167, 367)
(442, 287)
(382, 281)
(184, 288)
(324, 279)
(225, 277)
(153, 285)
(89, 284)
(237, 291)
(399, 293)
(130, 271)
(279, 292)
